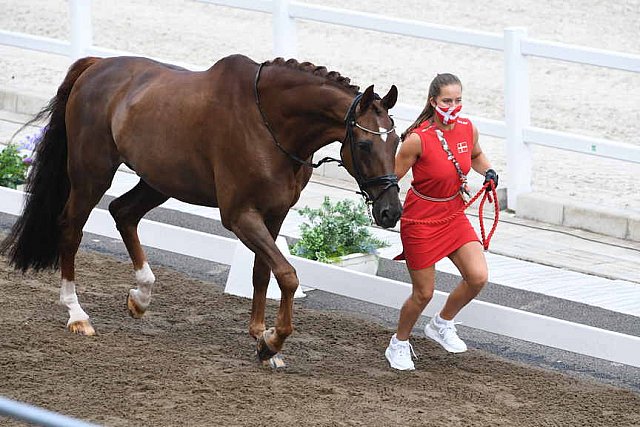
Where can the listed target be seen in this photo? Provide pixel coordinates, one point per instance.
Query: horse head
(368, 153)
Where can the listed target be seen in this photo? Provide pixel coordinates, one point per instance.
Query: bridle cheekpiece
(389, 181)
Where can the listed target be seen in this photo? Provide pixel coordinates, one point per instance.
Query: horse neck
(308, 117)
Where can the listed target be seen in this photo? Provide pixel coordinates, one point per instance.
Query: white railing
(37, 416)
(515, 44)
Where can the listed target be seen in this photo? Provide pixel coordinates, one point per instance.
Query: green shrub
(13, 168)
(335, 230)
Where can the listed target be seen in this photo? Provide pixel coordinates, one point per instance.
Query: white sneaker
(399, 355)
(446, 335)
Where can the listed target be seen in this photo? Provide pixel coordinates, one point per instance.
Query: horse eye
(365, 145)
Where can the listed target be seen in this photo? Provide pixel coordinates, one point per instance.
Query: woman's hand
(491, 176)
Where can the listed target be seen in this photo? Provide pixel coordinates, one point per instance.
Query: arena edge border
(534, 206)
(602, 220)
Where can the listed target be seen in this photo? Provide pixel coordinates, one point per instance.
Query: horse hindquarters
(34, 240)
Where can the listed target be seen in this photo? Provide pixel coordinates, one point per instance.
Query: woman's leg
(423, 282)
(471, 263)
(399, 351)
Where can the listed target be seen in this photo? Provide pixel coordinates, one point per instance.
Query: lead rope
(492, 196)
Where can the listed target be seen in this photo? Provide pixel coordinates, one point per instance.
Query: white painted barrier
(239, 280)
(531, 327)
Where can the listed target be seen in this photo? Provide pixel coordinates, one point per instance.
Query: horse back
(178, 129)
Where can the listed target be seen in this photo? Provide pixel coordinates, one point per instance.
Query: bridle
(389, 181)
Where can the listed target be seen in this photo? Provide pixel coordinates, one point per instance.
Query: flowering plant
(335, 230)
(13, 168)
(15, 160)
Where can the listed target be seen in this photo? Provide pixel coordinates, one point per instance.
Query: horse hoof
(263, 351)
(134, 309)
(82, 327)
(276, 362)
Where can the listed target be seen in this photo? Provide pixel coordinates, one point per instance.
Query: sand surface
(190, 362)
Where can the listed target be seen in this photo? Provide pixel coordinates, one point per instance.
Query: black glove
(491, 175)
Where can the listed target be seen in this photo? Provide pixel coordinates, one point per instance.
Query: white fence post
(284, 30)
(81, 30)
(516, 100)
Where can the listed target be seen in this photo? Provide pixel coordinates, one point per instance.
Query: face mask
(448, 116)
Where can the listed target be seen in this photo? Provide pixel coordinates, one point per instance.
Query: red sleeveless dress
(435, 176)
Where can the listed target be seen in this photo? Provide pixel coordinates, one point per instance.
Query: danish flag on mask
(448, 116)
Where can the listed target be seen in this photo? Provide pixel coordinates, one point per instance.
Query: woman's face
(450, 96)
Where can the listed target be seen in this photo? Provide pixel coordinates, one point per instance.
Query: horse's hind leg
(127, 210)
(261, 274)
(83, 197)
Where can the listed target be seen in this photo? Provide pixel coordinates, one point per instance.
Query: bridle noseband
(389, 181)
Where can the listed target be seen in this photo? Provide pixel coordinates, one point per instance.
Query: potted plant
(13, 167)
(337, 233)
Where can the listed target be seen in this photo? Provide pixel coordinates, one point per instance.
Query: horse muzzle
(387, 209)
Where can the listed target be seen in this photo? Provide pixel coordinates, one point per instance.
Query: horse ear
(367, 98)
(390, 98)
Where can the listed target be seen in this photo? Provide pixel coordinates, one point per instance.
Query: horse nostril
(387, 218)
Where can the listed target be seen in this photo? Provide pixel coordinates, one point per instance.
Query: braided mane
(308, 67)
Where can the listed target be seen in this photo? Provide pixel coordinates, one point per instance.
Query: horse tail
(34, 239)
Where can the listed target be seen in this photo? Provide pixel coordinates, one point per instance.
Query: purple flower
(31, 141)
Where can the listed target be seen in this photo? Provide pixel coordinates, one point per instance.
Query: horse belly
(181, 183)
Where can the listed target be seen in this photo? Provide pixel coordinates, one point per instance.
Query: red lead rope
(491, 196)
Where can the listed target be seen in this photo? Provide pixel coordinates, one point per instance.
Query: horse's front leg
(261, 276)
(252, 230)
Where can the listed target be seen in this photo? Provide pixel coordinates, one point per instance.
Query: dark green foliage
(13, 169)
(335, 230)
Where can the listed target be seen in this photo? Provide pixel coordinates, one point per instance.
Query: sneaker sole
(430, 333)
(394, 366)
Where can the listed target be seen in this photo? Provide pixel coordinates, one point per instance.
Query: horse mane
(316, 70)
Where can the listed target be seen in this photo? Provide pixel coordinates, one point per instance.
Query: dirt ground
(190, 362)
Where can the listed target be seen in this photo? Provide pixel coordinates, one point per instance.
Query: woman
(440, 148)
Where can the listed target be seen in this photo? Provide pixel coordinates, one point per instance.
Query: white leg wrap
(69, 299)
(145, 280)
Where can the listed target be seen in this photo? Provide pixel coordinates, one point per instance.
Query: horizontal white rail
(385, 24)
(582, 144)
(531, 327)
(581, 55)
(37, 43)
(265, 6)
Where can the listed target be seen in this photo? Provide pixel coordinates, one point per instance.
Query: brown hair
(438, 82)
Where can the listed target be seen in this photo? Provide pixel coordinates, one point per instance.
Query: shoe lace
(406, 349)
(449, 330)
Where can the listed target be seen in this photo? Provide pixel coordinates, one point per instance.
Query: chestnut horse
(239, 136)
